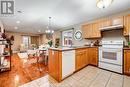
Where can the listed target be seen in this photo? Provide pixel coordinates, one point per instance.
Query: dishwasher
(68, 63)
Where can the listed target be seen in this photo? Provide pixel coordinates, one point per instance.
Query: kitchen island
(64, 61)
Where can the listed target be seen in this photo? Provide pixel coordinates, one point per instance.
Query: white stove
(110, 56)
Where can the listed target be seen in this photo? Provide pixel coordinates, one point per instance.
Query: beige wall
(18, 39)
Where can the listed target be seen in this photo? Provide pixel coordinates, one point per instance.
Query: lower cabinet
(80, 58)
(86, 56)
(54, 64)
(127, 62)
(93, 56)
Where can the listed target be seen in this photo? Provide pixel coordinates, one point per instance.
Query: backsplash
(114, 35)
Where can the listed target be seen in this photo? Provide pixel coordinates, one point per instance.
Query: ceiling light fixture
(15, 28)
(49, 28)
(104, 3)
(17, 22)
(49, 32)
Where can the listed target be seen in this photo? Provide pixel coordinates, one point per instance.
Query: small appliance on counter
(96, 43)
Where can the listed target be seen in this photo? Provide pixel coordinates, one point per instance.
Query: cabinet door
(95, 30)
(117, 20)
(93, 56)
(126, 25)
(84, 62)
(80, 59)
(127, 62)
(87, 30)
(105, 22)
(86, 58)
(54, 64)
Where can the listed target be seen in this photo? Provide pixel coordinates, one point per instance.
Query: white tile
(126, 81)
(101, 79)
(31, 84)
(116, 80)
(90, 76)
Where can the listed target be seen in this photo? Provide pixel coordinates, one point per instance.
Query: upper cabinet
(104, 22)
(117, 20)
(126, 25)
(87, 30)
(95, 30)
(91, 30)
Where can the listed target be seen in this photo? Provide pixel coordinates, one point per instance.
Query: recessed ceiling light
(15, 28)
(17, 22)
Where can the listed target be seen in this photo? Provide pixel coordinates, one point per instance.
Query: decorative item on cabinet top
(78, 35)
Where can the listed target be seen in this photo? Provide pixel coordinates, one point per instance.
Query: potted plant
(50, 43)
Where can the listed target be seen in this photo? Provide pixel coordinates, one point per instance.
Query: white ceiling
(64, 13)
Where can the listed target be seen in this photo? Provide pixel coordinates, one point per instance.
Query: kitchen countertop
(126, 48)
(71, 48)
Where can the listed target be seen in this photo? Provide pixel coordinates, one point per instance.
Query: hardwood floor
(22, 72)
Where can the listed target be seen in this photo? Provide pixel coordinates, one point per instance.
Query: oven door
(110, 55)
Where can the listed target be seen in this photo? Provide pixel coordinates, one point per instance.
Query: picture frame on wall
(78, 35)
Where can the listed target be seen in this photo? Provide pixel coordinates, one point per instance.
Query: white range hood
(114, 27)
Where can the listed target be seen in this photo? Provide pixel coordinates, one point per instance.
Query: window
(67, 37)
(26, 41)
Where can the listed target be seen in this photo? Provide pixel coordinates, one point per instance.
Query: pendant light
(49, 29)
(104, 3)
(49, 32)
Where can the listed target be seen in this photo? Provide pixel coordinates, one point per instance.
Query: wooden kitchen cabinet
(127, 62)
(91, 30)
(126, 25)
(86, 59)
(93, 56)
(119, 20)
(86, 56)
(55, 64)
(87, 30)
(81, 59)
(95, 30)
(104, 22)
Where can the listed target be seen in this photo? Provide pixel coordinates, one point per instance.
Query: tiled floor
(87, 77)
